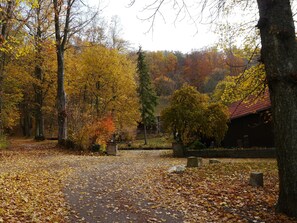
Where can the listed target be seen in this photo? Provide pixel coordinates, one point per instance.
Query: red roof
(239, 109)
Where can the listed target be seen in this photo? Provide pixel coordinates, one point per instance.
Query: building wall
(250, 131)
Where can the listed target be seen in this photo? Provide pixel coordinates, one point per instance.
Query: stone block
(176, 169)
(256, 179)
(178, 150)
(194, 161)
(213, 161)
(111, 149)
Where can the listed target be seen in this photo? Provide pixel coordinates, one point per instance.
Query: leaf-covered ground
(40, 183)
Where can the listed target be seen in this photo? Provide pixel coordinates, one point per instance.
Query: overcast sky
(182, 36)
(167, 35)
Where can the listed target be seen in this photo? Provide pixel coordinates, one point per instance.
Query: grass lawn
(152, 142)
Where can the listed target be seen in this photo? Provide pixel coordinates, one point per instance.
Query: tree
(147, 95)
(66, 25)
(13, 92)
(115, 32)
(101, 83)
(200, 64)
(170, 64)
(164, 86)
(225, 91)
(61, 35)
(6, 17)
(191, 117)
(156, 64)
(279, 55)
(213, 79)
(252, 82)
(217, 119)
(39, 26)
(13, 18)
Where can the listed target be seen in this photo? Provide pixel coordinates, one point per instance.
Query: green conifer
(147, 94)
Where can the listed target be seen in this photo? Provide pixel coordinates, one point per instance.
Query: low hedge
(233, 153)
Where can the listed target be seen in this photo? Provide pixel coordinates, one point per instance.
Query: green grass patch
(3, 142)
(152, 142)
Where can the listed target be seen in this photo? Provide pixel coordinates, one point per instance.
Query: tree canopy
(190, 117)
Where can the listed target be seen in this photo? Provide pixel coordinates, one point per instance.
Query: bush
(95, 148)
(97, 132)
(197, 145)
(3, 141)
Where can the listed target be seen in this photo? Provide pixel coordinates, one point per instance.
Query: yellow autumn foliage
(190, 117)
(101, 82)
(239, 88)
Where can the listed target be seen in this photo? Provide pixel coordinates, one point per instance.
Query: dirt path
(111, 190)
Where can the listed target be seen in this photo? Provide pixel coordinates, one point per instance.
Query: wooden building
(250, 124)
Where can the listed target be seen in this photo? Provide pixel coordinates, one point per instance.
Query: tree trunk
(97, 99)
(279, 54)
(62, 114)
(26, 122)
(6, 17)
(2, 66)
(39, 128)
(145, 134)
(61, 39)
(39, 120)
(27, 125)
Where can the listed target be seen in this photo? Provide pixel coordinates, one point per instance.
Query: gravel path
(109, 190)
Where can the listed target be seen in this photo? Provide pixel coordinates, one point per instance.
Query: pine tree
(147, 95)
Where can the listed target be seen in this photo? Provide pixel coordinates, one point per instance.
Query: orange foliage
(200, 64)
(101, 130)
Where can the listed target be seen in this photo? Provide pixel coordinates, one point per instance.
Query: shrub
(197, 145)
(97, 132)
